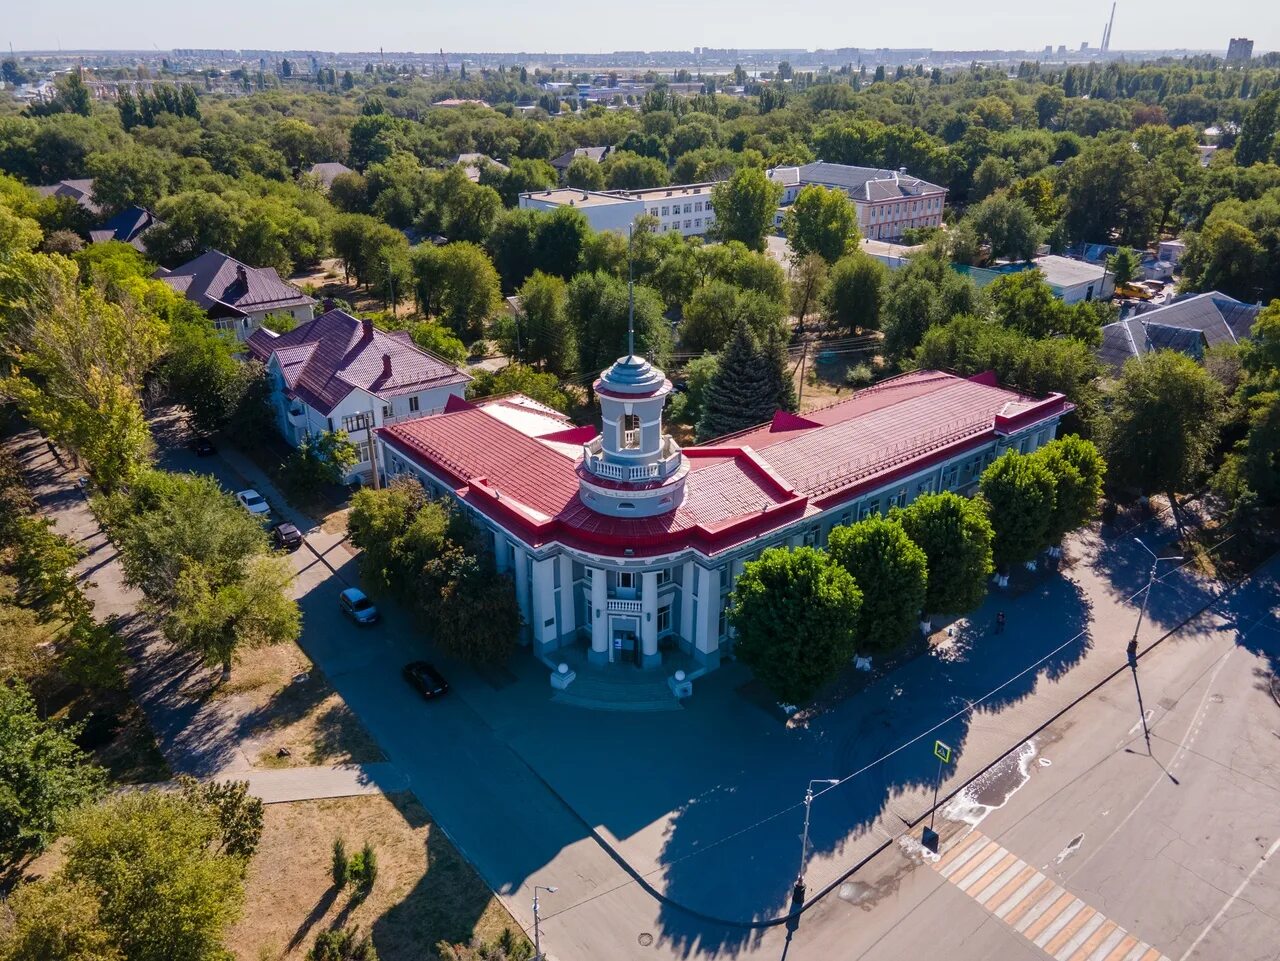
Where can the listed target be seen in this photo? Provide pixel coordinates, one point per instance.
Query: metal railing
(617, 606)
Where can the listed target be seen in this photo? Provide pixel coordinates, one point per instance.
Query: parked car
(253, 502)
(286, 537)
(203, 446)
(357, 606)
(429, 682)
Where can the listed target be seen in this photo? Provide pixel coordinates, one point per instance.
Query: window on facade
(665, 211)
(688, 224)
(362, 452)
(899, 499)
(664, 620)
(925, 487)
(664, 576)
(811, 537)
(629, 431)
(697, 221)
(950, 476)
(413, 404)
(653, 211)
(626, 580)
(329, 421)
(724, 624)
(697, 208)
(354, 422)
(386, 411)
(869, 509)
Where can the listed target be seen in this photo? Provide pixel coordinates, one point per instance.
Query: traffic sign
(942, 752)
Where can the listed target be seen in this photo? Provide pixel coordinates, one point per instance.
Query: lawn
(425, 891)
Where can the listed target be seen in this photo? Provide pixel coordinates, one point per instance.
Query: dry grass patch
(425, 892)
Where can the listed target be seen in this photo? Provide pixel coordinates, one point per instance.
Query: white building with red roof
(341, 373)
(621, 541)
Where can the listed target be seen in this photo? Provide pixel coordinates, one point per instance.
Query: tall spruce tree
(750, 386)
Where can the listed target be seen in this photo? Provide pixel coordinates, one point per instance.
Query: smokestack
(242, 275)
(386, 366)
(367, 329)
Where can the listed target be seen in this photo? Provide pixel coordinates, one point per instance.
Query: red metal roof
(739, 486)
(325, 359)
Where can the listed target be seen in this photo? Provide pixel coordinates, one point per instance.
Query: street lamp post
(537, 937)
(1133, 641)
(797, 893)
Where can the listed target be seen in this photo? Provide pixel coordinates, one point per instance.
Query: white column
(686, 601)
(568, 609)
(599, 617)
(543, 602)
(519, 560)
(649, 620)
(706, 639)
(501, 556)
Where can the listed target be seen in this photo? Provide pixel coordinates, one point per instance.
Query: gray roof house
(1190, 325)
(475, 162)
(236, 297)
(597, 154)
(81, 191)
(868, 184)
(326, 172)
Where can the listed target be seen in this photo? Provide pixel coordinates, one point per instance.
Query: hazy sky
(560, 25)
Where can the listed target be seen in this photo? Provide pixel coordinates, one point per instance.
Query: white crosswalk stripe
(1062, 925)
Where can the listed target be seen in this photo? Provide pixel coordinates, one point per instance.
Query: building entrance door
(626, 646)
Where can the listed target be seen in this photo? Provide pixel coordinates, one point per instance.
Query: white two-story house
(341, 373)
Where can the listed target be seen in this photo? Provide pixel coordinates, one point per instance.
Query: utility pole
(1132, 651)
(804, 356)
(537, 936)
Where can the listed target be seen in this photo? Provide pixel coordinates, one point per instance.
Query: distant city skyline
(557, 26)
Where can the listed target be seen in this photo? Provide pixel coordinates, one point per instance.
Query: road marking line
(1004, 903)
(955, 850)
(976, 869)
(1075, 907)
(1039, 922)
(980, 851)
(1102, 940)
(980, 884)
(1046, 914)
(1082, 934)
(1016, 910)
(1275, 846)
(1019, 868)
(1121, 951)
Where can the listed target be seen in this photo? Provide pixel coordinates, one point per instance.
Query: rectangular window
(697, 221)
(387, 411)
(664, 620)
(362, 452)
(925, 487)
(811, 537)
(354, 422)
(664, 576)
(665, 210)
(413, 404)
(626, 580)
(688, 224)
(653, 211)
(329, 421)
(697, 208)
(869, 509)
(899, 499)
(723, 623)
(688, 208)
(950, 476)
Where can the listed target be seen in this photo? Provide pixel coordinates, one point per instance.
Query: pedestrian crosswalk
(1040, 910)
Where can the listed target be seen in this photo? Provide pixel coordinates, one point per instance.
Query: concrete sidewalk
(340, 780)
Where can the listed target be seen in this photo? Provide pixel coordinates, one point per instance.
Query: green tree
(46, 775)
(892, 573)
(625, 170)
(1025, 302)
(1022, 495)
(821, 221)
(1124, 265)
(717, 307)
(546, 337)
(854, 296)
(584, 174)
(440, 341)
(319, 460)
(56, 921)
(238, 814)
(519, 379)
(1165, 418)
(956, 537)
(128, 178)
(458, 284)
(808, 284)
(191, 222)
(205, 376)
(795, 613)
(164, 892)
(598, 307)
(747, 388)
(377, 522)
(745, 205)
(1008, 226)
(1258, 142)
(1078, 471)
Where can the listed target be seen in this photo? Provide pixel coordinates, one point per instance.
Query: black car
(202, 446)
(429, 682)
(286, 537)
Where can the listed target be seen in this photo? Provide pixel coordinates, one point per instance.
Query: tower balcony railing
(668, 463)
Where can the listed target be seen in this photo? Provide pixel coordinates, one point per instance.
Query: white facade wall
(616, 215)
(684, 210)
(297, 419)
(243, 327)
(881, 219)
(630, 609)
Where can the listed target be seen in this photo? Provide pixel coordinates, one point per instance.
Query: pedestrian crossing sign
(942, 752)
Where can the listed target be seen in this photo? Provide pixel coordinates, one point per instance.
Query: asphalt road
(1170, 850)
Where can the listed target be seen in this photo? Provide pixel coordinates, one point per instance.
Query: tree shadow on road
(733, 849)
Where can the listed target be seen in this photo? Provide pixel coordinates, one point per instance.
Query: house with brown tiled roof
(237, 297)
(338, 372)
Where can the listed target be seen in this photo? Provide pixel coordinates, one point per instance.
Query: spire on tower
(631, 299)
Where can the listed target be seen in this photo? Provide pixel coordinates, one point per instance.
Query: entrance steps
(619, 690)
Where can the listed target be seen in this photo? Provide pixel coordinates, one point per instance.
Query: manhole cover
(645, 939)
